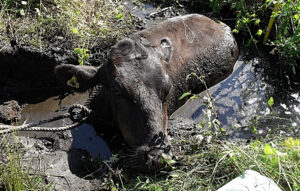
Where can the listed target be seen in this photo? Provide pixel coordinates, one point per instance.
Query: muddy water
(83, 137)
(149, 14)
(243, 97)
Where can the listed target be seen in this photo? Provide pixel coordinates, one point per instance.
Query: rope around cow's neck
(72, 114)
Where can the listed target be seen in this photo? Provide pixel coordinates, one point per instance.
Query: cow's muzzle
(150, 158)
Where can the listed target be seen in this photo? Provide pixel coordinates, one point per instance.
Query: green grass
(210, 166)
(13, 175)
(78, 24)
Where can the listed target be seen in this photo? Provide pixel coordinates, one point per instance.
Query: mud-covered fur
(146, 75)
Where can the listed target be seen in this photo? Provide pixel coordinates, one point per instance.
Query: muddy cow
(146, 74)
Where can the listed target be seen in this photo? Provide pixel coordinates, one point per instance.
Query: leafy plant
(82, 54)
(252, 18)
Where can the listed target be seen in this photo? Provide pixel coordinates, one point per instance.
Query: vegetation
(254, 18)
(74, 25)
(208, 161)
(210, 165)
(13, 175)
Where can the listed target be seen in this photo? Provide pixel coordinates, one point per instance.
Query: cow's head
(138, 86)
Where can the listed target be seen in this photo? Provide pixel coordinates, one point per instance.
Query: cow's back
(199, 45)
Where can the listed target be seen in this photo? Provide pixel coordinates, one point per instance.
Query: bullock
(145, 76)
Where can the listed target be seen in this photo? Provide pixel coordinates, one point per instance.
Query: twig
(114, 173)
(209, 95)
(109, 168)
(158, 12)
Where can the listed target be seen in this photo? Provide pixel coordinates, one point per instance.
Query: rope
(76, 116)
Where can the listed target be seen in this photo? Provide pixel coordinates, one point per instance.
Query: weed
(78, 24)
(82, 54)
(215, 164)
(13, 175)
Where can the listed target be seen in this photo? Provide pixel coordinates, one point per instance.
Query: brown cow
(146, 75)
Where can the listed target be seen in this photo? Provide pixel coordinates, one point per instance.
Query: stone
(9, 111)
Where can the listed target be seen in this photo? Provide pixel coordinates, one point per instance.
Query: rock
(9, 111)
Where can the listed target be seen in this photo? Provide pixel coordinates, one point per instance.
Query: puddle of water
(243, 96)
(150, 14)
(140, 10)
(84, 136)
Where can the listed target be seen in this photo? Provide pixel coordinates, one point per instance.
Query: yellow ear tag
(73, 82)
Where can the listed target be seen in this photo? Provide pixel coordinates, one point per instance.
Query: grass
(210, 166)
(13, 175)
(77, 24)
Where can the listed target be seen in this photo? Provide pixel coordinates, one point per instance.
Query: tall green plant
(287, 39)
(13, 175)
(253, 17)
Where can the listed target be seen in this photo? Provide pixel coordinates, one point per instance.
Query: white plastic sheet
(250, 181)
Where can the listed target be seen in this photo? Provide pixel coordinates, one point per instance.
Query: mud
(10, 111)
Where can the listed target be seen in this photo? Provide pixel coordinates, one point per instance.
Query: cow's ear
(166, 49)
(79, 78)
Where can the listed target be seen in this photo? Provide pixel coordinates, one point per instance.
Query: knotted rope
(79, 117)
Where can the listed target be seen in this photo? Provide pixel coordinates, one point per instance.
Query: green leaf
(174, 175)
(271, 102)
(194, 96)
(170, 161)
(246, 20)
(268, 150)
(254, 130)
(120, 16)
(190, 75)
(259, 32)
(75, 31)
(235, 31)
(78, 51)
(257, 21)
(292, 143)
(184, 95)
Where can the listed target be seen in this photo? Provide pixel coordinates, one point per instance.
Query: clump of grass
(210, 166)
(277, 159)
(78, 24)
(13, 175)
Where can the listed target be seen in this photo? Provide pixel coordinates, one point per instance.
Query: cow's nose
(159, 157)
